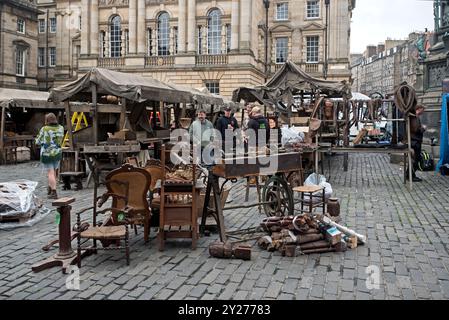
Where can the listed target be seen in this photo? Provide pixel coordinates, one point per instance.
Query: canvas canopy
(14, 98)
(288, 81)
(130, 86)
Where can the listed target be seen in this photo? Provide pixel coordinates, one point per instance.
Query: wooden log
(315, 245)
(303, 239)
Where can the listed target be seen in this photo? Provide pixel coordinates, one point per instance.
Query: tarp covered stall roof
(198, 96)
(130, 86)
(26, 99)
(288, 81)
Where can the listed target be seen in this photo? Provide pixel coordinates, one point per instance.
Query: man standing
(227, 124)
(201, 133)
(257, 123)
(417, 132)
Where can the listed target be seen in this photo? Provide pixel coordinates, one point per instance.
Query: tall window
(150, 42)
(175, 39)
(214, 32)
(282, 11)
(20, 25)
(115, 32)
(126, 41)
(312, 49)
(200, 40)
(281, 50)
(20, 61)
(42, 26)
(101, 39)
(213, 87)
(53, 25)
(41, 57)
(52, 56)
(228, 37)
(163, 34)
(313, 9)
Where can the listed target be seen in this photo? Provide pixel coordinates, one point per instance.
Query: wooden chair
(112, 229)
(139, 181)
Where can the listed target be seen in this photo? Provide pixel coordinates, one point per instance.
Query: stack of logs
(303, 234)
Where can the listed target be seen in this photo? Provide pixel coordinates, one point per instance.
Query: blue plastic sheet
(444, 134)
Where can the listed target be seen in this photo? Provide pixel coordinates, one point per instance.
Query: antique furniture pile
(305, 234)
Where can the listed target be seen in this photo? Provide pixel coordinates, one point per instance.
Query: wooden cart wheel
(277, 191)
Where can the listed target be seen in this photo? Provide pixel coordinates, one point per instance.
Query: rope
(405, 98)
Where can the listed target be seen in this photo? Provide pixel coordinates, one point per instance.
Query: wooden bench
(67, 177)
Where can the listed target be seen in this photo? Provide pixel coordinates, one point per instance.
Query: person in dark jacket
(227, 123)
(259, 122)
(417, 133)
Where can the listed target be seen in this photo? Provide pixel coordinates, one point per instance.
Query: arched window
(214, 32)
(163, 34)
(115, 31)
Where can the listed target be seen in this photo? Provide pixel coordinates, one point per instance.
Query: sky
(373, 21)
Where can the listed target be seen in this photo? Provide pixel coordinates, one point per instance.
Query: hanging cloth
(444, 134)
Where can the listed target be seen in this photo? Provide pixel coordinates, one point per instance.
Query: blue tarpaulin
(444, 134)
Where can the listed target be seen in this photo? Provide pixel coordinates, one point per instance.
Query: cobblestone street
(407, 240)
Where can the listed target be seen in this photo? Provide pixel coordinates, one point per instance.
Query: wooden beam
(101, 108)
(2, 132)
(69, 124)
(123, 114)
(161, 112)
(95, 112)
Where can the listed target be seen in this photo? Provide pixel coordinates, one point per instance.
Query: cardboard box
(333, 235)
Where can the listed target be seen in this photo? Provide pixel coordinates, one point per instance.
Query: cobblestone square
(407, 243)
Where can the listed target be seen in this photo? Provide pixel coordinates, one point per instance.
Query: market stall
(22, 115)
(125, 110)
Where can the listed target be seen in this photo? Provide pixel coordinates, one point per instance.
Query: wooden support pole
(2, 133)
(123, 114)
(409, 138)
(69, 124)
(161, 112)
(95, 112)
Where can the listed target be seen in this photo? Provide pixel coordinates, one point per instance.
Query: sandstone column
(85, 27)
(141, 30)
(182, 20)
(93, 35)
(132, 16)
(245, 24)
(191, 25)
(235, 25)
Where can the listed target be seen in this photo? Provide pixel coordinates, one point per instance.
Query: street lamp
(267, 6)
(326, 45)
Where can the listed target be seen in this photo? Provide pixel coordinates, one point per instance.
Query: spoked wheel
(277, 191)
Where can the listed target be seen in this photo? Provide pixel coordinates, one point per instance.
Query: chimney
(380, 48)
(370, 51)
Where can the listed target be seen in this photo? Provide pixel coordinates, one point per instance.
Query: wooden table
(91, 154)
(276, 193)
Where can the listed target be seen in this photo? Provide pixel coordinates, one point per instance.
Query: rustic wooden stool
(309, 191)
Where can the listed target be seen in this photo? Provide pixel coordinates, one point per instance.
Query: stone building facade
(18, 44)
(218, 44)
(380, 69)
